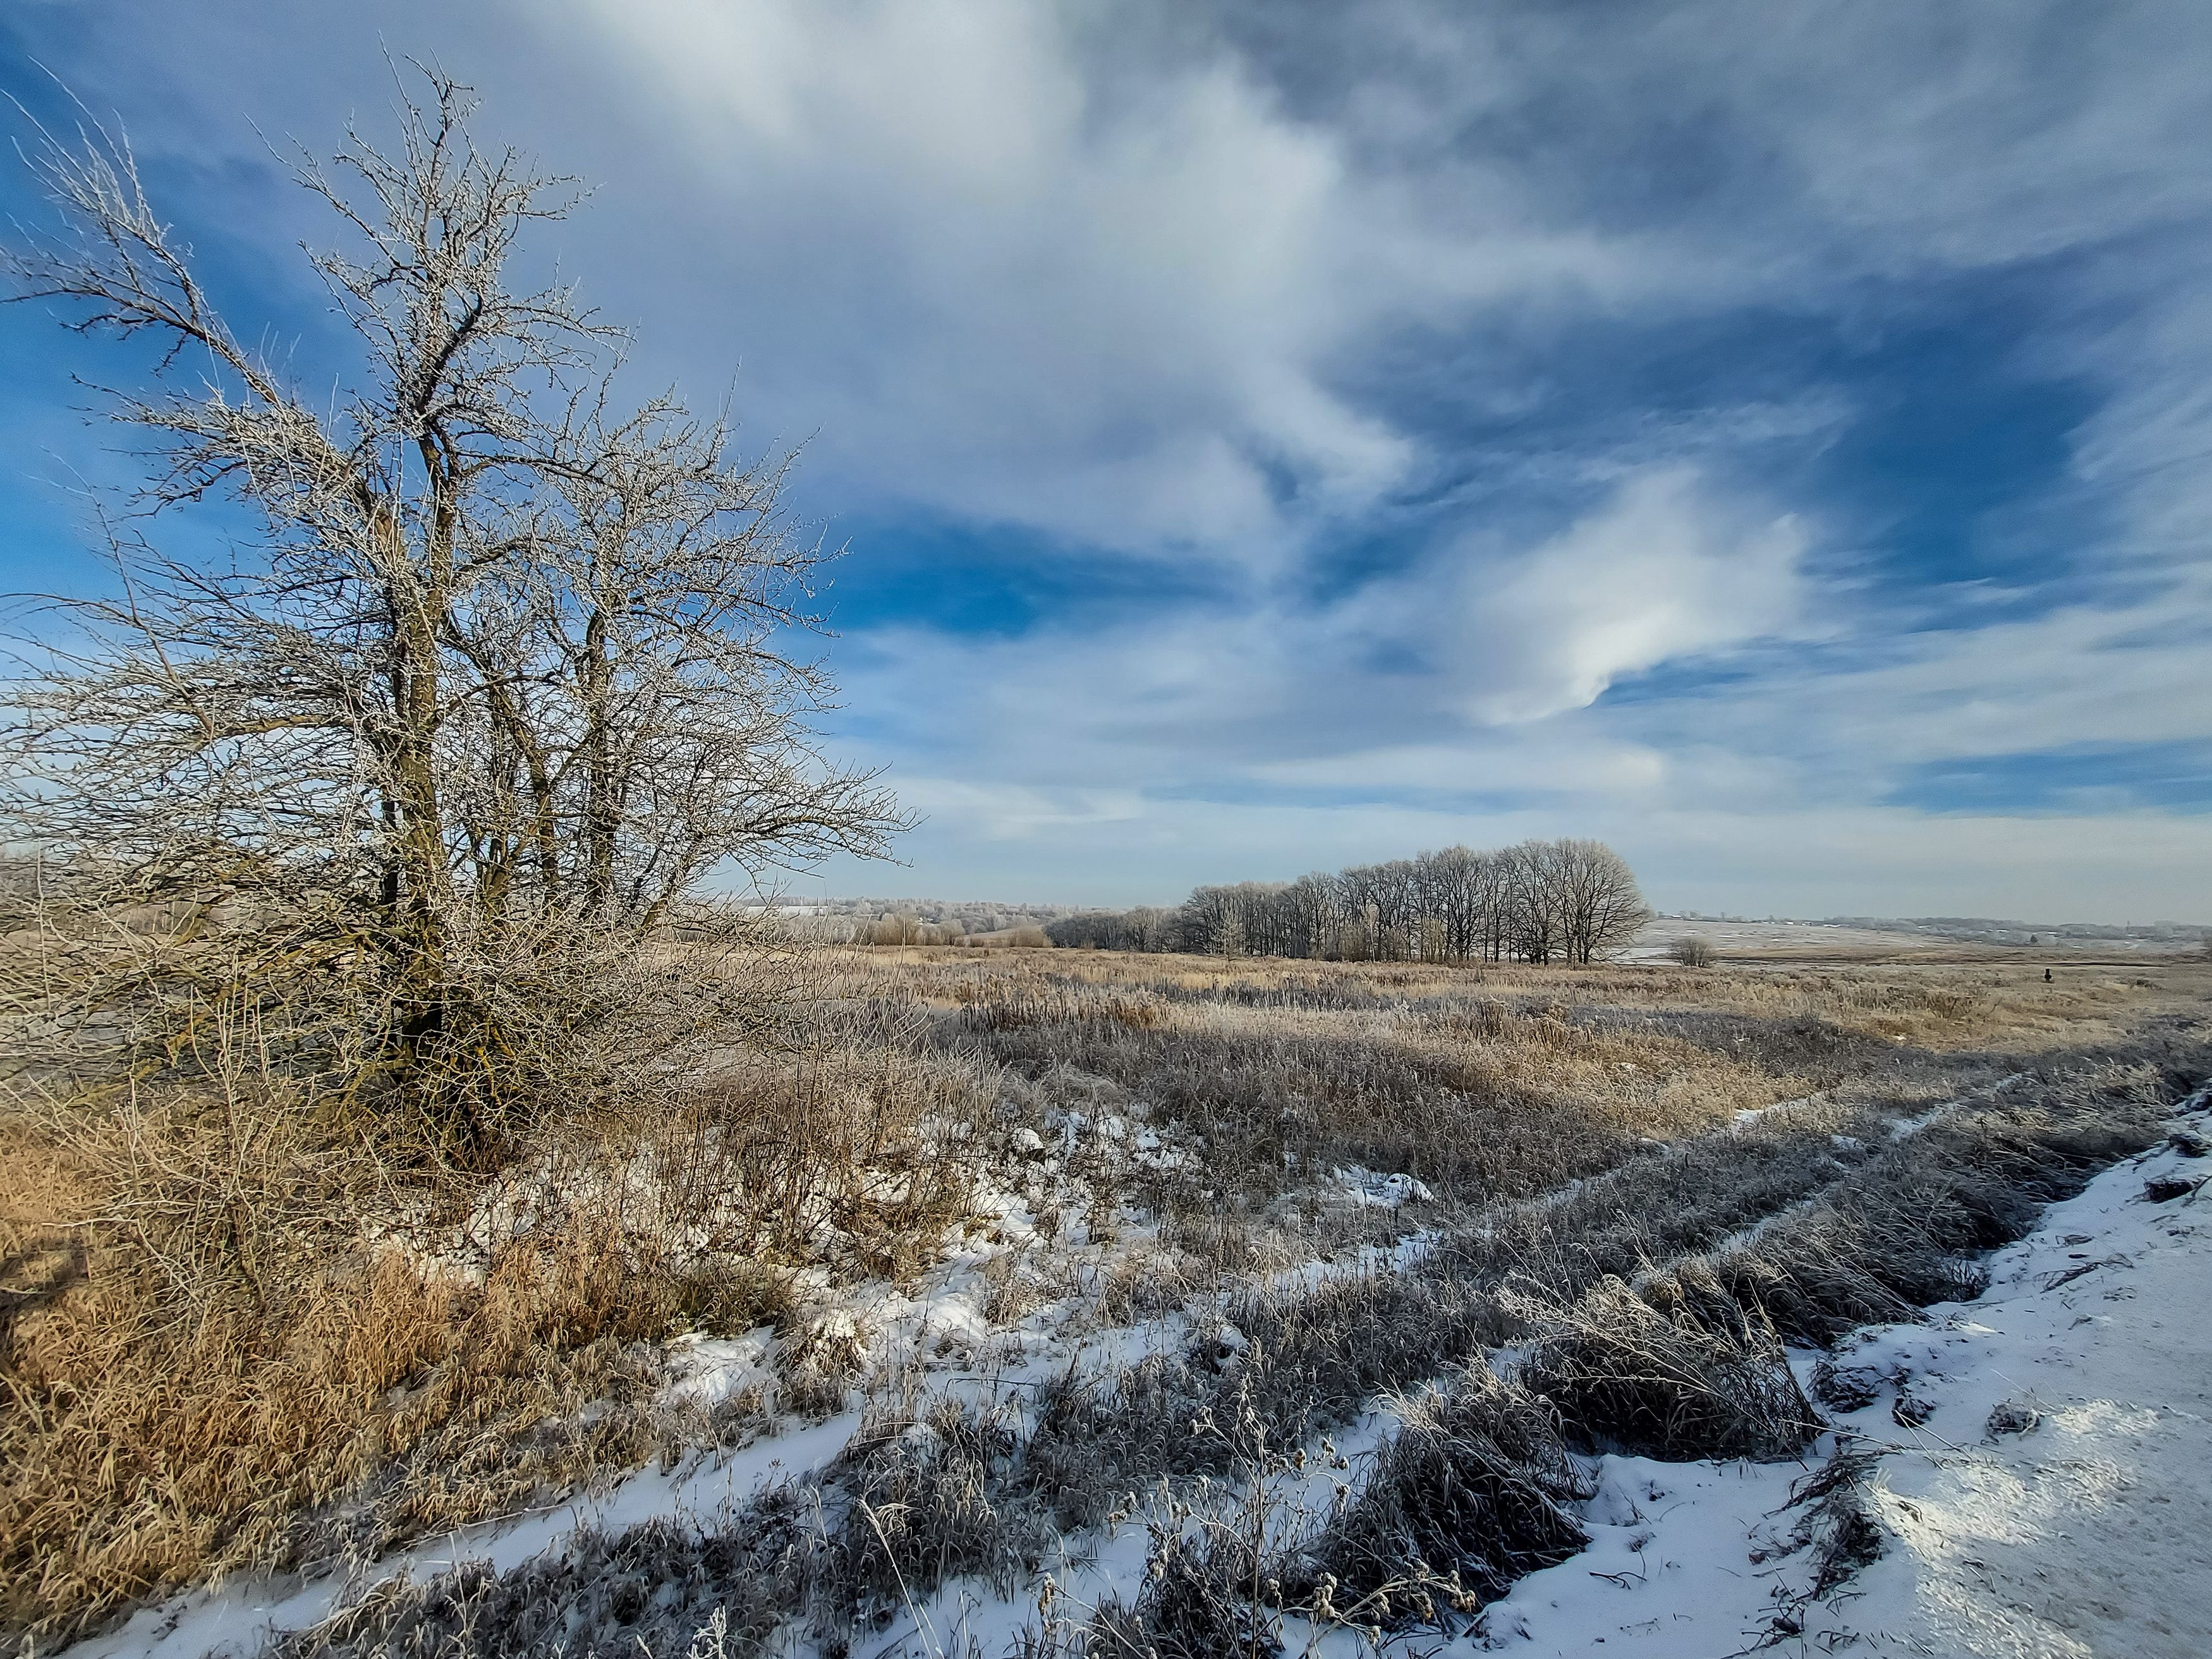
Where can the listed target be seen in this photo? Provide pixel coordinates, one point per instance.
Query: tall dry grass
(1226, 1459)
(1945, 1006)
(232, 1337)
(1476, 1096)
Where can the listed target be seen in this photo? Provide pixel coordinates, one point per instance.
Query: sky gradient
(1268, 437)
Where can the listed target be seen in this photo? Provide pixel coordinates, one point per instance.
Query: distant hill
(979, 917)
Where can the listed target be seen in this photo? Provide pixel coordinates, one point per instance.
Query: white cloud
(1585, 766)
(1098, 282)
(1019, 293)
(1473, 637)
(2083, 676)
(1661, 571)
(1011, 811)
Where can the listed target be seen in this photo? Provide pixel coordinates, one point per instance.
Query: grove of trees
(1567, 901)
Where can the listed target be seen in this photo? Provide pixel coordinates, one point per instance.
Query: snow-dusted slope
(2045, 1487)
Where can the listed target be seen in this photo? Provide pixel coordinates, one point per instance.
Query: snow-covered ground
(2045, 1487)
(934, 1335)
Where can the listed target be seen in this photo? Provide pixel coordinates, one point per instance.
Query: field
(1052, 1301)
(1832, 943)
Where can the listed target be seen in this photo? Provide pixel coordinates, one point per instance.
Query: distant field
(1816, 941)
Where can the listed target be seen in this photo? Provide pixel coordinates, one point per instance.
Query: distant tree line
(1567, 901)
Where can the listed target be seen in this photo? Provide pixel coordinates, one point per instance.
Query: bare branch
(508, 664)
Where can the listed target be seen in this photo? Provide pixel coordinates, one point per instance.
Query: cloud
(1381, 688)
(1103, 311)
(1592, 765)
(1869, 137)
(1661, 571)
(1005, 811)
(1098, 282)
(1500, 372)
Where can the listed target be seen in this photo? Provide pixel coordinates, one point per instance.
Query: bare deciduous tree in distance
(1600, 907)
(1693, 950)
(504, 674)
(1570, 900)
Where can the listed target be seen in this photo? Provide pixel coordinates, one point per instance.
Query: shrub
(1468, 1496)
(1684, 1379)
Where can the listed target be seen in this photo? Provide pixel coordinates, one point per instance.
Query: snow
(965, 1617)
(705, 1370)
(1370, 1189)
(2084, 1534)
(1751, 1114)
(1668, 1568)
(2087, 1534)
(874, 1329)
(232, 1619)
(951, 1321)
(1902, 940)
(2082, 1537)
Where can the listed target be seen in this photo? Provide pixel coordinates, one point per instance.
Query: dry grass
(228, 1343)
(1472, 1492)
(1657, 1376)
(1946, 1006)
(212, 1365)
(1475, 1095)
(1682, 1360)
(144, 1455)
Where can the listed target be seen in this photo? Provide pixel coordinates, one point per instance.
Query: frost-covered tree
(499, 673)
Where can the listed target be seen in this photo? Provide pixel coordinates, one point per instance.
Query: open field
(1068, 1300)
(1749, 942)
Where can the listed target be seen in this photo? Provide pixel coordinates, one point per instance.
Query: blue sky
(1271, 436)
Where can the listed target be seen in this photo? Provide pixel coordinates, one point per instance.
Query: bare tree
(1532, 900)
(1693, 950)
(1144, 928)
(1542, 900)
(1600, 910)
(502, 675)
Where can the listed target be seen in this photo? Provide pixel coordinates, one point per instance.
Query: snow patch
(1371, 1190)
(705, 1370)
(2044, 1485)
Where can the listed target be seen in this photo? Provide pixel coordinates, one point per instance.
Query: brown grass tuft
(229, 1342)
